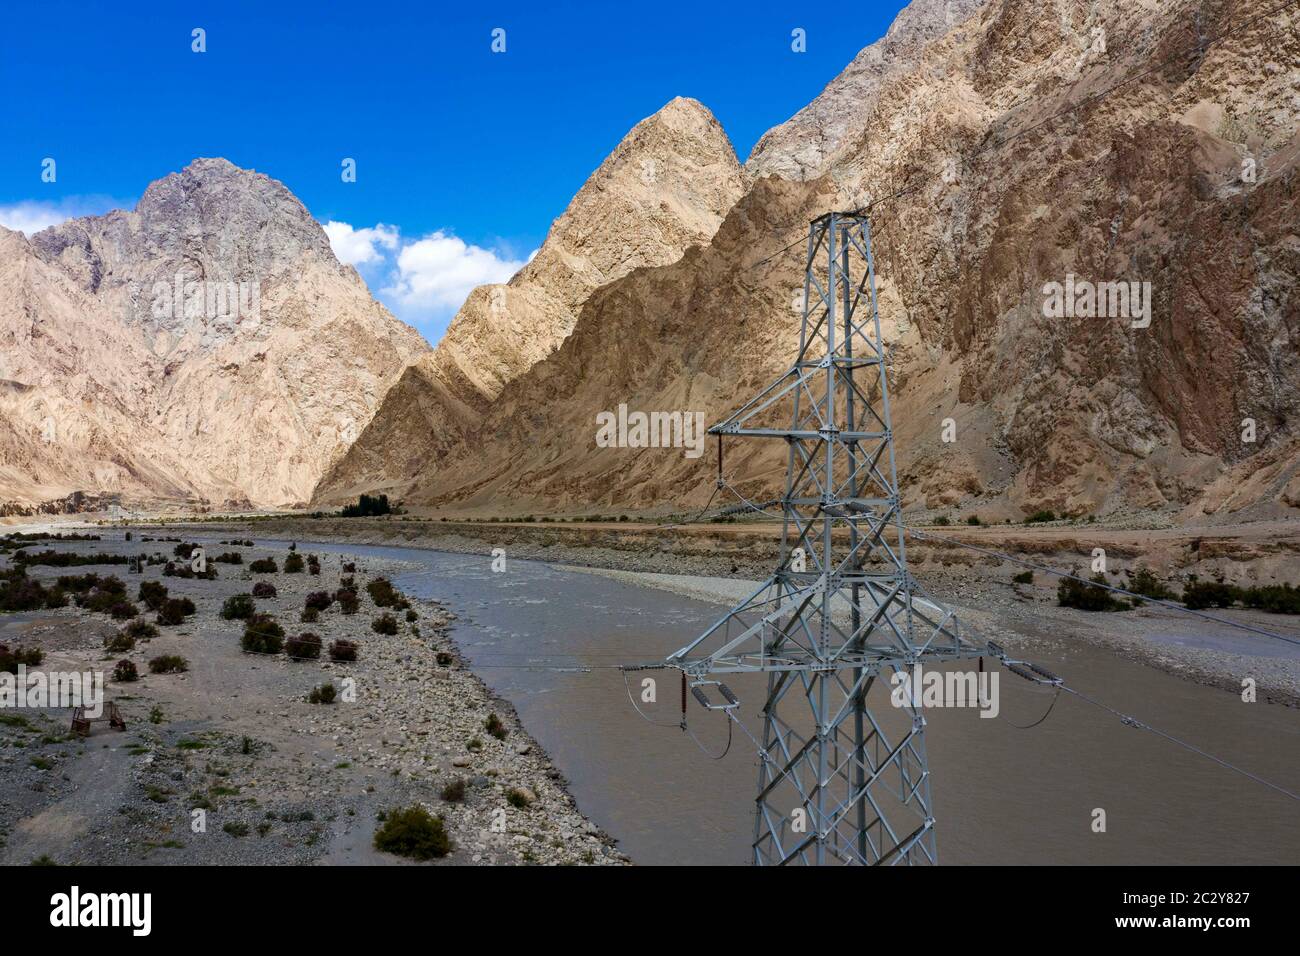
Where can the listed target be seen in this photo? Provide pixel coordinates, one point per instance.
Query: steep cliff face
(1002, 159)
(664, 188)
(206, 346)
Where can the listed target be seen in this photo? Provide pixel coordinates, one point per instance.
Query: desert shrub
(349, 602)
(349, 567)
(383, 593)
(119, 643)
(141, 630)
(185, 550)
(319, 600)
(454, 791)
(262, 635)
(1024, 577)
(973, 520)
(494, 727)
(348, 583)
(174, 611)
(305, 646)
(1276, 599)
(123, 611)
(309, 615)
(412, 832)
(10, 658)
(942, 519)
(20, 593)
(1144, 582)
(313, 564)
(168, 664)
(1087, 597)
(1040, 516)
(293, 564)
(264, 566)
(124, 672)
(173, 570)
(264, 589)
(1198, 595)
(229, 557)
(152, 594)
(384, 624)
(66, 559)
(324, 694)
(518, 798)
(238, 607)
(445, 659)
(342, 650)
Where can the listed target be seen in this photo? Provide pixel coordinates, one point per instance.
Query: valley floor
(720, 561)
(280, 780)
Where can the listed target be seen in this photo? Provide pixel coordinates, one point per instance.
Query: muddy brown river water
(549, 640)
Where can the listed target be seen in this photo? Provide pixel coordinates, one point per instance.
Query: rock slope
(665, 188)
(206, 346)
(991, 181)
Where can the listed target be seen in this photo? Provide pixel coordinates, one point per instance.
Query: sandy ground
(278, 779)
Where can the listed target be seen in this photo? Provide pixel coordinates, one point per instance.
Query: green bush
(349, 602)
(1087, 597)
(264, 566)
(973, 520)
(942, 520)
(238, 607)
(264, 589)
(1276, 599)
(383, 593)
(368, 507)
(152, 594)
(1144, 582)
(324, 694)
(262, 635)
(119, 643)
(125, 672)
(454, 791)
(141, 630)
(10, 658)
(1198, 595)
(319, 600)
(293, 564)
(1040, 516)
(174, 611)
(305, 646)
(168, 664)
(384, 624)
(1024, 577)
(342, 650)
(494, 727)
(413, 832)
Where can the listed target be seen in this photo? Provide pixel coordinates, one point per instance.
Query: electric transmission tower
(838, 782)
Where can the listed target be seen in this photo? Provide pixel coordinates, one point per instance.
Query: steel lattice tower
(837, 783)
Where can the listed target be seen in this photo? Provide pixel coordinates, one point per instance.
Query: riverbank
(229, 762)
(719, 562)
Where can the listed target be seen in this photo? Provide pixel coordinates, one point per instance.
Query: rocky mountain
(1004, 147)
(663, 189)
(205, 347)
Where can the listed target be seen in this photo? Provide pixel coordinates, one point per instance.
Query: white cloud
(32, 215)
(356, 247)
(439, 271)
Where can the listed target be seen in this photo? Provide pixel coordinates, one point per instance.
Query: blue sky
(471, 152)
